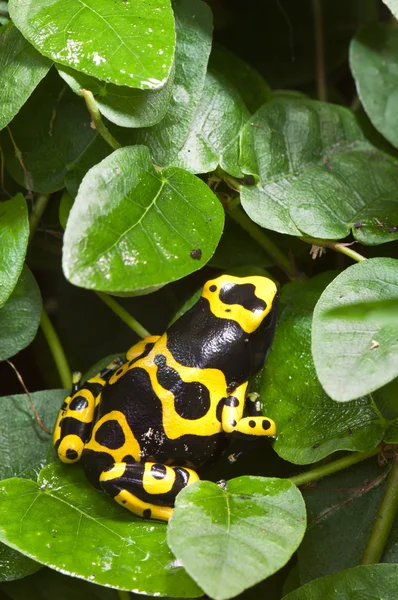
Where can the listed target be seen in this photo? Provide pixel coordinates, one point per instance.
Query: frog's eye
(243, 294)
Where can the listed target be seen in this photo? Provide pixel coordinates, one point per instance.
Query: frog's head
(246, 300)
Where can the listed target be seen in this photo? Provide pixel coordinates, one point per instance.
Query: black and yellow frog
(142, 427)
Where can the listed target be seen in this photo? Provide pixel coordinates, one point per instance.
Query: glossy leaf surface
(213, 138)
(193, 29)
(126, 43)
(63, 522)
(132, 228)
(317, 173)
(373, 582)
(215, 533)
(374, 64)
(124, 106)
(14, 233)
(20, 316)
(310, 424)
(354, 358)
(52, 143)
(21, 69)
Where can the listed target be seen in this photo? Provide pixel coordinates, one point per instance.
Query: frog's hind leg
(75, 419)
(147, 489)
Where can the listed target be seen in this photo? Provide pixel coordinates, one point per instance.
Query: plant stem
(384, 520)
(123, 314)
(97, 120)
(333, 467)
(319, 51)
(263, 240)
(39, 206)
(56, 349)
(337, 246)
(123, 595)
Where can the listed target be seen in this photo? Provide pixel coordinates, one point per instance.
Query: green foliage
(146, 147)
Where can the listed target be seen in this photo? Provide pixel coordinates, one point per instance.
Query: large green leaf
(374, 64)
(18, 422)
(317, 173)
(132, 228)
(21, 69)
(51, 143)
(49, 584)
(213, 138)
(14, 565)
(126, 43)
(376, 582)
(14, 233)
(249, 83)
(229, 539)
(64, 523)
(194, 29)
(20, 316)
(353, 358)
(127, 107)
(310, 424)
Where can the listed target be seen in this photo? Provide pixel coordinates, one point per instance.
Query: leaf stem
(38, 208)
(123, 314)
(56, 349)
(319, 51)
(258, 234)
(337, 246)
(333, 467)
(384, 520)
(97, 121)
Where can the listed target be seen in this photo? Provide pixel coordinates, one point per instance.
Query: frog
(144, 426)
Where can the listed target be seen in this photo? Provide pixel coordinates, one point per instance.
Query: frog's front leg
(147, 489)
(76, 417)
(234, 423)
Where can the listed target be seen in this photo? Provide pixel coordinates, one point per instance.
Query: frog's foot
(146, 489)
(234, 423)
(257, 426)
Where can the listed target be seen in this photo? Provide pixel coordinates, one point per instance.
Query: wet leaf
(354, 358)
(20, 316)
(21, 70)
(132, 228)
(126, 43)
(64, 523)
(211, 527)
(14, 233)
(317, 173)
(310, 424)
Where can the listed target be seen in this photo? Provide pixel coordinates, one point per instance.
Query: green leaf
(213, 138)
(317, 173)
(66, 524)
(310, 424)
(65, 206)
(354, 358)
(378, 310)
(215, 532)
(249, 83)
(378, 582)
(194, 30)
(14, 565)
(21, 70)
(49, 584)
(14, 233)
(393, 6)
(238, 249)
(47, 147)
(132, 228)
(374, 64)
(20, 316)
(19, 423)
(127, 107)
(126, 43)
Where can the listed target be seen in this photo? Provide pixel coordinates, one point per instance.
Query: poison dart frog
(143, 427)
